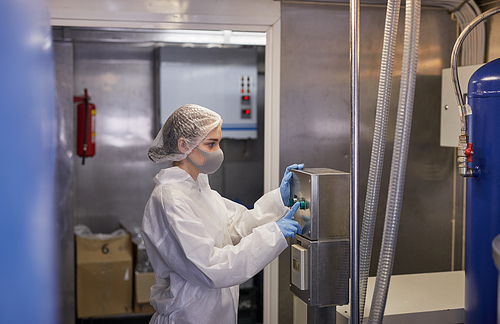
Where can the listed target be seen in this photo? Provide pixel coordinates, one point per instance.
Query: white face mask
(213, 161)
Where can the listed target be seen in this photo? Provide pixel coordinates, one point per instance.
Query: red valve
(469, 152)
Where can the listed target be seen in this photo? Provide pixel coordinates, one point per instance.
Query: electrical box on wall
(221, 79)
(450, 117)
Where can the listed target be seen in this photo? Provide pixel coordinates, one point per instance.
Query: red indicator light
(242, 90)
(246, 97)
(247, 112)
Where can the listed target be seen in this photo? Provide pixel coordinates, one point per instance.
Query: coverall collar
(176, 174)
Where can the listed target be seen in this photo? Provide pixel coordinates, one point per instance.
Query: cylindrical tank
(496, 259)
(483, 195)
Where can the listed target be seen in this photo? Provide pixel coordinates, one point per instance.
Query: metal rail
(354, 220)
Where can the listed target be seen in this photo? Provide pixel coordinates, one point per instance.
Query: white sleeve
(269, 208)
(164, 250)
(227, 266)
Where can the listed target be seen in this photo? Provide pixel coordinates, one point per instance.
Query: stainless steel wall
(65, 186)
(315, 125)
(492, 31)
(114, 185)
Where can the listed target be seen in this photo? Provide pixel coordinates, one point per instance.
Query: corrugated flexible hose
(378, 148)
(399, 159)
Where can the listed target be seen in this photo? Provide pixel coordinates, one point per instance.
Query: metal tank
(483, 195)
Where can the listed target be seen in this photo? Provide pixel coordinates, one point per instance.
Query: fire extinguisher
(85, 136)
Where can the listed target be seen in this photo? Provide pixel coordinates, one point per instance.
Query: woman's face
(211, 143)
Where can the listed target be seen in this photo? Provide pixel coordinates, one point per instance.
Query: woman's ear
(182, 145)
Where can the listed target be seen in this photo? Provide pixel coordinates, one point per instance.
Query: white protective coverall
(202, 246)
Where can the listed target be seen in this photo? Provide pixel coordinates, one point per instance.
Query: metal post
(354, 91)
(157, 122)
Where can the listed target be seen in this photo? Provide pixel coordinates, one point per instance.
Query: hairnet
(191, 122)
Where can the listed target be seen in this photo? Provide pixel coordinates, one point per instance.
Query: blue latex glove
(307, 226)
(287, 225)
(285, 182)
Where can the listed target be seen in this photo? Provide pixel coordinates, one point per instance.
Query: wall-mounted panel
(450, 113)
(224, 80)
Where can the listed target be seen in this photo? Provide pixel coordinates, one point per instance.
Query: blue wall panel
(27, 144)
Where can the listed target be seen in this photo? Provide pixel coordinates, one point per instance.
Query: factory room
(250, 162)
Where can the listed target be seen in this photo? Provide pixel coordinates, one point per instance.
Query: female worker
(202, 246)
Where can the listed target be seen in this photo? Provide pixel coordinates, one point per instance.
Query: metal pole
(157, 122)
(354, 221)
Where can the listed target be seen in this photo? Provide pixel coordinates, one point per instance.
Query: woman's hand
(287, 179)
(287, 225)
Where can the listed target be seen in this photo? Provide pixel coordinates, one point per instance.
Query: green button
(302, 204)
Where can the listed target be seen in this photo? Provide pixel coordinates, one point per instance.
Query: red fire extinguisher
(85, 135)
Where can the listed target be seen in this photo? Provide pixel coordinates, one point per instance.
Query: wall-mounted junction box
(450, 116)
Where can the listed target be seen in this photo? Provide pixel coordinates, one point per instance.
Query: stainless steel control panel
(319, 268)
(323, 195)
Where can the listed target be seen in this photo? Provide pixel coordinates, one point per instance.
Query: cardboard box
(143, 308)
(143, 283)
(103, 276)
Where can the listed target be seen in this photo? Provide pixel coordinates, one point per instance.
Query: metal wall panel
(114, 185)
(65, 187)
(492, 32)
(315, 123)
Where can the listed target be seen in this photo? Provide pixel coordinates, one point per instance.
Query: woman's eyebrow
(213, 139)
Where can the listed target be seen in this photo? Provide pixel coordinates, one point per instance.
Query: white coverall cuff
(279, 203)
(281, 243)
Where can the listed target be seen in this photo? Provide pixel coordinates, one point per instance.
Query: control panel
(223, 80)
(319, 268)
